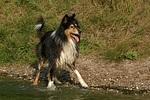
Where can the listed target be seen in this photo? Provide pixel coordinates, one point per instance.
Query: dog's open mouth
(76, 37)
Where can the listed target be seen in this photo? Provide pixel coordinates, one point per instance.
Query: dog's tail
(39, 27)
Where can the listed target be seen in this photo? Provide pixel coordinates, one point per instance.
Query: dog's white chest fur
(68, 55)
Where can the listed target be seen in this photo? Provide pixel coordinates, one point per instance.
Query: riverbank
(97, 72)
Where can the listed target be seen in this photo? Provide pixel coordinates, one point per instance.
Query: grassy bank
(115, 29)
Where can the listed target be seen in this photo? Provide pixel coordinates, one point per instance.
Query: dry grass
(116, 29)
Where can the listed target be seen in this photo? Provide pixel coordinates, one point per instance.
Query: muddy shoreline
(132, 75)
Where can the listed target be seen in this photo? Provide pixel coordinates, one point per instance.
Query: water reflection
(11, 89)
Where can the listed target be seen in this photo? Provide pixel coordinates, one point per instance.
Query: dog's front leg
(82, 82)
(51, 79)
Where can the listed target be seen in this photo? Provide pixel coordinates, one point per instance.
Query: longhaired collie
(59, 48)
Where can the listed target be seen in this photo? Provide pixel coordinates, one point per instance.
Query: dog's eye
(71, 26)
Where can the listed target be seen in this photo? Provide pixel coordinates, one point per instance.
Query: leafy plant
(129, 55)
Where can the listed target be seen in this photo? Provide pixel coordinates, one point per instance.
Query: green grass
(116, 29)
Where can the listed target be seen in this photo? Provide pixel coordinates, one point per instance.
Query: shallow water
(12, 89)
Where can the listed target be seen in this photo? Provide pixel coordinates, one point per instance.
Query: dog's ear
(73, 15)
(65, 19)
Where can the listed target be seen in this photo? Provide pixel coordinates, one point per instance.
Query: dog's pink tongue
(75, 37)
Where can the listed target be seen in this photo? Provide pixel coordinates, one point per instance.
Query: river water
(14, 89)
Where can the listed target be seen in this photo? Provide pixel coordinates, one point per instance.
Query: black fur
(53, 44)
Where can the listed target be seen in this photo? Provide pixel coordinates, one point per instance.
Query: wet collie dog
(59, 48)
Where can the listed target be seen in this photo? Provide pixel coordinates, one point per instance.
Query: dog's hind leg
(40, 64)
(82, 82)
(41, 60)
(56, 80)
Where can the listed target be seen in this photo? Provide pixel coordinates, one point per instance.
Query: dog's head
(72, 28)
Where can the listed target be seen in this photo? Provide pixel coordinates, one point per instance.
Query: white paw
(51, 86)
(84, 85)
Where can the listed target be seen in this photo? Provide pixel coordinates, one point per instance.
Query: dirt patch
(97, 72)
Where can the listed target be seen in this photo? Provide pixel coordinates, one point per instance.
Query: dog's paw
(85, 85)
(34, 83)
(51, 86)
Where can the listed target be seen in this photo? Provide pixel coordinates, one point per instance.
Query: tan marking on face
(71, 29)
